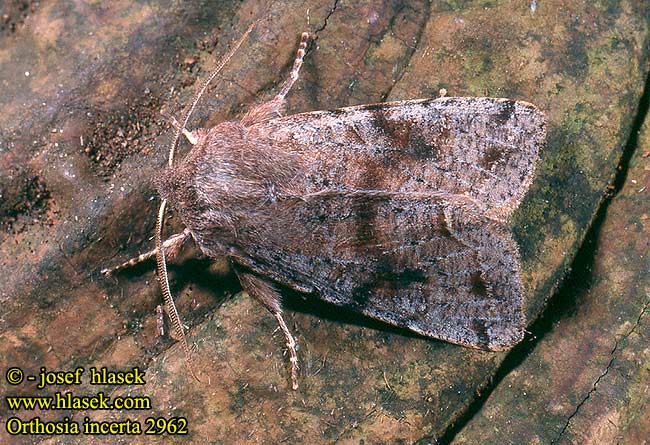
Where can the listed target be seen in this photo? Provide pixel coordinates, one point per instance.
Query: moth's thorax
(226, 178)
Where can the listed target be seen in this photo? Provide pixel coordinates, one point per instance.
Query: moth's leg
(273, 108)
(190, 136)
(172, 247)
(265, 293)
(297, 63)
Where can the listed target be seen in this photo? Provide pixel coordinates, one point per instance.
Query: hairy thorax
(228, 179)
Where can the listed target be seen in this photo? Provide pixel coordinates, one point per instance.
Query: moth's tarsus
(274, 107)
(297, 63)
(269, 296)
(172, 247)
(398, 211)
(291, 347)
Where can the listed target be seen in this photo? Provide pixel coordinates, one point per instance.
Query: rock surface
(81, 134)
(588, 380)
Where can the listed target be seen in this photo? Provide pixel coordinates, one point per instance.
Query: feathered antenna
(160, 251)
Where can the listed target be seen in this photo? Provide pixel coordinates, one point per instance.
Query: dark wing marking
(481, 147)
(435, 266)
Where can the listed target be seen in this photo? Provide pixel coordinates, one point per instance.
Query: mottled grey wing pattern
(400, 213)
(484, 148)
(435, 266)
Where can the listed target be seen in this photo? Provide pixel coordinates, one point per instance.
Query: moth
(398, 211)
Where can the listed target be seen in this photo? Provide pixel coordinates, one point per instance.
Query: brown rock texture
(81, 133)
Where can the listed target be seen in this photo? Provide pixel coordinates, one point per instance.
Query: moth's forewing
(435, 266)
(434, 254)
(483, 147)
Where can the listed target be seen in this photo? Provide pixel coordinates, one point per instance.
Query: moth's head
(173, 183)
(165, 182)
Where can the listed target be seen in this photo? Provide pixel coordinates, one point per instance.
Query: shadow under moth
(398, 211)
